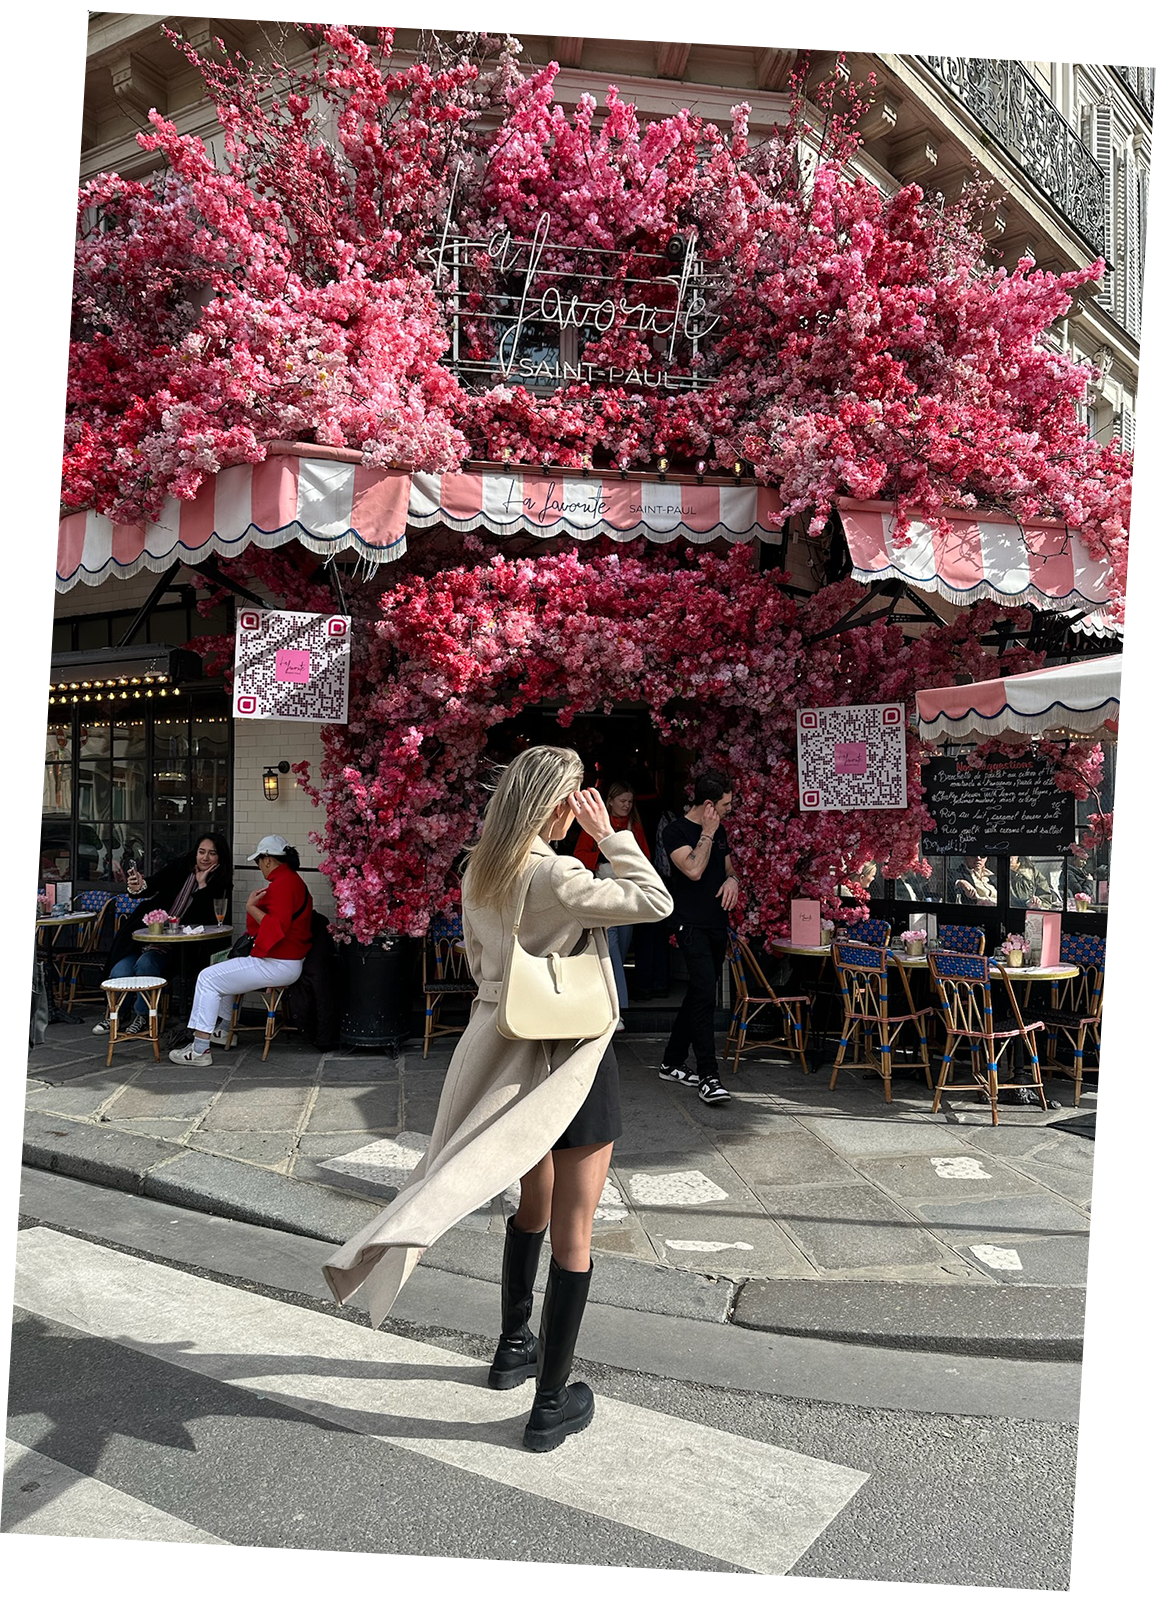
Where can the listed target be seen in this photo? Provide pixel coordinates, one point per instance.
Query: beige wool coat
(504, 1103)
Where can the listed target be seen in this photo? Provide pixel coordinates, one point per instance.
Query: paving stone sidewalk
(754, 1210)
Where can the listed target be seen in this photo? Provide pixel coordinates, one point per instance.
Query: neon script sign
(540, 331)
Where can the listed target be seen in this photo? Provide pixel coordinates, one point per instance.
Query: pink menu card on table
(1042, 928)
(805, 922)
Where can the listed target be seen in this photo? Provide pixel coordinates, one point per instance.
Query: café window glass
(1036, 882)
(970, 880)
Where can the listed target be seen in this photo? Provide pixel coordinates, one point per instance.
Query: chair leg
(886, 1061)
(431, 1008)
(154, 1023)
(1078, 1058)
(114, 1006)
(271, 1003)
(233, 1014)
(945, 1068)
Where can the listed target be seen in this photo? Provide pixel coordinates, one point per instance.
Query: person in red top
(278, 918)
(620, 802)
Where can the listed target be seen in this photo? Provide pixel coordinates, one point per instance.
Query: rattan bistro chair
(964, 984)
(961, 940)
(445, 971)
(862, 972)
(753, 992)
(876, 931)
(88, 955)
(116, 991)
(1080, 1017)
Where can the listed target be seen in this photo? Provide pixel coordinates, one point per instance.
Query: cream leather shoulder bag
(553, 995)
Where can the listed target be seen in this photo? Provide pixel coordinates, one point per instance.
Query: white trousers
(218, 985)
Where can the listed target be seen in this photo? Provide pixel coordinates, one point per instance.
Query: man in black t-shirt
(704, 888)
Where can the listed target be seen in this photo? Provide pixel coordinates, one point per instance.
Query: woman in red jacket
(620, 802)
(278, 919)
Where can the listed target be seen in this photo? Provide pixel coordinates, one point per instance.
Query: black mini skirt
(600, 1118)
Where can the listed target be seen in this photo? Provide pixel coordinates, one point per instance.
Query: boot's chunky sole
(541, 1439)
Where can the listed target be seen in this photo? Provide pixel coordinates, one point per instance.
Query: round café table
(74, 918)
(182, 944)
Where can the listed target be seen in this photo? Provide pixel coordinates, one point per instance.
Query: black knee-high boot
(559, 1409)
(517, 1347)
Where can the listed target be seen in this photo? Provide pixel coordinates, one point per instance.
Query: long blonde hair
(528, 790)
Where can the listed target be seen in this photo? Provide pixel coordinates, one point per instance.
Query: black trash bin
(376, 991)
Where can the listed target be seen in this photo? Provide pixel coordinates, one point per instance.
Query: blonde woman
(545, 1112)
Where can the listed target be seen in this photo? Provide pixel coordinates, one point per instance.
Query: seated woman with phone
(186, 888)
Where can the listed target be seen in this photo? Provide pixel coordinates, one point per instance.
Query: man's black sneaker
(138, 1024)
(678, 1073)
(713, 1092)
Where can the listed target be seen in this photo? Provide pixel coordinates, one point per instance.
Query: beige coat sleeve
(635, 893)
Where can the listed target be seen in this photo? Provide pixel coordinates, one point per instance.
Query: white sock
(200, 1045)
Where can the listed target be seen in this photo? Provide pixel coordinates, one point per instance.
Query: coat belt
(490, 992)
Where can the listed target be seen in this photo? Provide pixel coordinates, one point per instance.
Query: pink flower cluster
(862, 344)
(709, 643)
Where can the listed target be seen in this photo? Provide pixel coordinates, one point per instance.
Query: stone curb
(1031, 1323)
(217, 1185)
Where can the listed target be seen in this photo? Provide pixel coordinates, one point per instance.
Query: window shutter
(1101, 144)
(1128, 427)
(1132, 261)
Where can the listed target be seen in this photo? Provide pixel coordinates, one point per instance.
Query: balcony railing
(1140, 81)
(1007, 103)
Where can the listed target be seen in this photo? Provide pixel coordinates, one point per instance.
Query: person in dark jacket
(186, 888)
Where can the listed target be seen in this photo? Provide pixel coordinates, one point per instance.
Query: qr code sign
(852, 757)
(291, 665)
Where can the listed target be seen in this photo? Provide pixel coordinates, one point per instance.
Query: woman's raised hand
(591, 813)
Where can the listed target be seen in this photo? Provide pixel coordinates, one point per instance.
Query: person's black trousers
(694, 1026)
(652, 954)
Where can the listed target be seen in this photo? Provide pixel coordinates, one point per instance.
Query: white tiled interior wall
(257, 744)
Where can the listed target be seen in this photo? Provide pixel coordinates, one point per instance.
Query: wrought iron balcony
(1009, 105)
(1139, 80)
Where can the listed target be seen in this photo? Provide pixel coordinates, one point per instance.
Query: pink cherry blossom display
(721, 654)
(282, 287)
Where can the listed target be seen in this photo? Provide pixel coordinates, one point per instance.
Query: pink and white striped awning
(1039, 563)
(329, 501)
(1083, 697)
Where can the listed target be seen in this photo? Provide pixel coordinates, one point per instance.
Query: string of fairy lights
(98, 690)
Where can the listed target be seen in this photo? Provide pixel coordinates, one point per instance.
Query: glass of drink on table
(220, 910)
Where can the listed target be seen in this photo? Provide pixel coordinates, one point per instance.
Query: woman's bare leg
(579, 1175)
(533, 1211)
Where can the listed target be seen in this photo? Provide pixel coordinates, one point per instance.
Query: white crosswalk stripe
(44, 1498)
(731, 1498)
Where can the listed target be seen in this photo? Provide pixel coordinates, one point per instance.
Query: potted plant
(826, 930)
(1082, 900)
(158, 919)
(1014, 949)
(915, 942)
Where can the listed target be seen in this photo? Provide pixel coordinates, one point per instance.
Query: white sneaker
(220, 1036)
(189, 1056)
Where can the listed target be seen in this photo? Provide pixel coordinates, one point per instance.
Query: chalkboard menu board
(1005, 807)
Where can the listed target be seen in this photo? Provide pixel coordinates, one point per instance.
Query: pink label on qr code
(291, 665)
(851, 760)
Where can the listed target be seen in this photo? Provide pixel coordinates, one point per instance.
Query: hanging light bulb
(700, 468)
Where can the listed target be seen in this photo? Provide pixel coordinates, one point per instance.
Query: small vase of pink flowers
(1015, 949)
(914, 942)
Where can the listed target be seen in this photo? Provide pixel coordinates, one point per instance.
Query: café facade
(150, 738)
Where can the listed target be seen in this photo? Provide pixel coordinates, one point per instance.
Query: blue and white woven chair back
(448, 925)
(860, 957)
(92, 898)
(1081, 948)
(959, 967)
(962, 940)
(876, 931)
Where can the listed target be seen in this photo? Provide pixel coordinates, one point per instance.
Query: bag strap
(521, 906)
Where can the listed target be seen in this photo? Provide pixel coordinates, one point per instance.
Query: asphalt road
(169, 1402)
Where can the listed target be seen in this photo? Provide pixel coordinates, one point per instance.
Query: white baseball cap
(274, 843)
